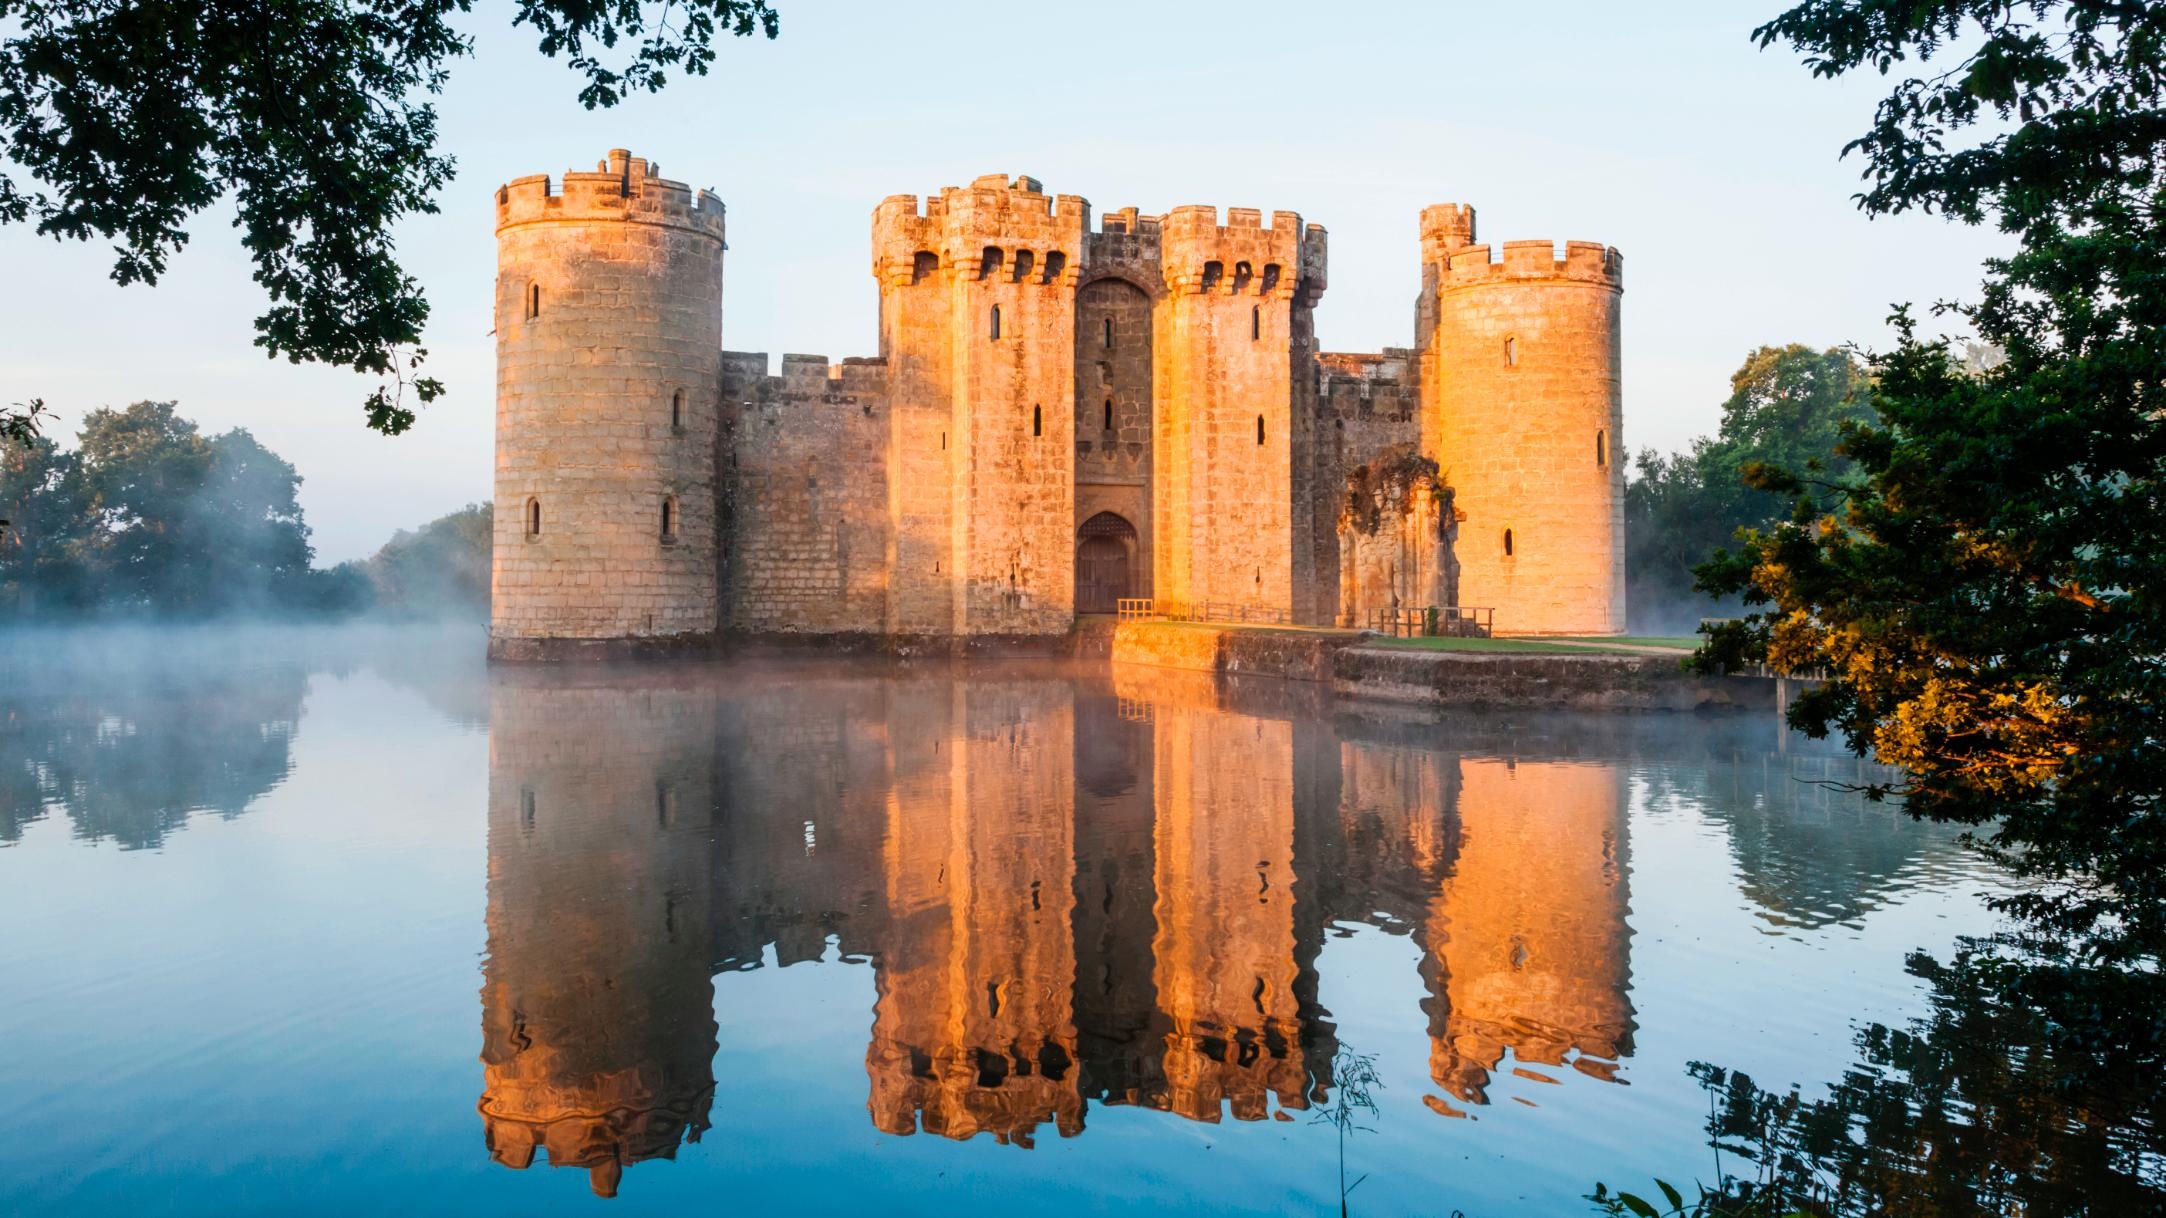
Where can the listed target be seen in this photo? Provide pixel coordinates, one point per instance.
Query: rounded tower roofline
(622, 187)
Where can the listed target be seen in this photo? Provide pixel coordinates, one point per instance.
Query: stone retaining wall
(1590, 681)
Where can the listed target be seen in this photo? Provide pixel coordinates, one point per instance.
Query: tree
(149, 515)
(1990, 596)
(438, 570)
(312, 115)
(47, 527)
(1787, 406)
(2029, 1086)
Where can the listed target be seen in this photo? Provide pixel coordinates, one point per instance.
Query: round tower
(1523, 411)
(608, 369)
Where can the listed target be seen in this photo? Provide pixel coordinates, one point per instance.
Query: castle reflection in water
(1109, 891)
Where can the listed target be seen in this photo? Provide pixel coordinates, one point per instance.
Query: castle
(1071, 895)
(1062, 416)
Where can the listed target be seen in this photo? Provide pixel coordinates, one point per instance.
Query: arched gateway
(1105, 557)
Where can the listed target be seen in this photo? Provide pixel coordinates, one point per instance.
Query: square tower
(978, 325)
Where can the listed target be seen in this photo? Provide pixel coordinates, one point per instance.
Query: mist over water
(347, 921)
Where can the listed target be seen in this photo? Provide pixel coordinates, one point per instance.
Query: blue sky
(1658, 128)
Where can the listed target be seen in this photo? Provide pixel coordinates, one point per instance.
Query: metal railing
(1434, 621)
(1225, 611)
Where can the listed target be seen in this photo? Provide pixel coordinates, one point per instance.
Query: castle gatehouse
(1065, 413)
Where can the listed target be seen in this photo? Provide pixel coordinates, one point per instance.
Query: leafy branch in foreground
(1989, 593)
(313, 117)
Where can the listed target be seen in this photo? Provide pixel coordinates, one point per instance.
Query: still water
(350, 923)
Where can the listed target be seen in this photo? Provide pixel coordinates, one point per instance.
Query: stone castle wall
(805, 495)
(609, 342)
(1037, 376)
(1366, 404)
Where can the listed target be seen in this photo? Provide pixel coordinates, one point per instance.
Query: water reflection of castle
(1070, 894)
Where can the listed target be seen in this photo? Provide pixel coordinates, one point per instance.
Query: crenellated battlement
(1037, 237)
(621, 187)
(1581, 261)
(856, 381)
(1065, 413)
(1242, 256)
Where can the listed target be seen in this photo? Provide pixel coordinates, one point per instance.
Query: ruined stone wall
(807, 496)
(1232, 336)
(1365, 404)
(1523, 410)
(1395, 539)
(608, 332)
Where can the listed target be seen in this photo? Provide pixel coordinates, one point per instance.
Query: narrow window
(1601, 447)
(533, 301)
(1259, 429)
(1511, 352)
(989, 262)
(1109, 333)
(665, 805)
(1255, 322)
(996, 321)
(533, 518)
(1037, 420)
(1109, 414)
(1507, 543)
(669, 518)
(676, 411)
(943, 441)
(526, 809)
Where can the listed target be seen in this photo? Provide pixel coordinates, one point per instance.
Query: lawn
(1520, 646)
(1682, 642)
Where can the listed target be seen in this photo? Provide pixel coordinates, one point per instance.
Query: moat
(352, 922)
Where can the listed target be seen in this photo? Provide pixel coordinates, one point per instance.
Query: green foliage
(19, 423)
(2028, 1087)
(1384, 487)
(1991, 596)
(313, 117)
(148, 515)
(1787, 407)
(438, 570)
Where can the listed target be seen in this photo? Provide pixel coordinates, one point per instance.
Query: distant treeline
(1787, 407)
(147, 516)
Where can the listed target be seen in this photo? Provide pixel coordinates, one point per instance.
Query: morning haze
(1662, 132)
